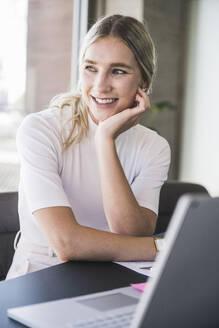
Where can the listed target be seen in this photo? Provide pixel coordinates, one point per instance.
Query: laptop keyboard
(115, 321)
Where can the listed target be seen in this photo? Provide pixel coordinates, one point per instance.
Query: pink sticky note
(140, 286)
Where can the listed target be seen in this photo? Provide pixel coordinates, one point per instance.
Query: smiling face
(110, 77)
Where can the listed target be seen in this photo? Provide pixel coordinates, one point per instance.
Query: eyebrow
(112, 64)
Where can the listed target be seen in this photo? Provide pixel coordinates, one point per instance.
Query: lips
(104, 101)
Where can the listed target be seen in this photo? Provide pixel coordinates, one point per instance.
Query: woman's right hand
(120, 122)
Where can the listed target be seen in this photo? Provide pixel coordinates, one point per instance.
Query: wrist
(106, 129)
(103, 138)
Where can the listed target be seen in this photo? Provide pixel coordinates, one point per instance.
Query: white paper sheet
(140, 267)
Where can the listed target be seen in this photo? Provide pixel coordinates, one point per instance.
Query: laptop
(183, 291)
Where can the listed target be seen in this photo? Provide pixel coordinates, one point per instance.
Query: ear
(143, 86)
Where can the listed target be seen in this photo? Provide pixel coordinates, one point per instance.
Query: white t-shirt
(50, 177)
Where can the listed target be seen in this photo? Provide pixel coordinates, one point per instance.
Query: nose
(102, 83)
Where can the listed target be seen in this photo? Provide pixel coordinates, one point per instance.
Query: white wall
(200, 139)
(125, 7)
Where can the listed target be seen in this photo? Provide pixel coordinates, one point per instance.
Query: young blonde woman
(90, 174)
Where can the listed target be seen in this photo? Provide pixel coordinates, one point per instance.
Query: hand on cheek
(124, 120)
(143, 101)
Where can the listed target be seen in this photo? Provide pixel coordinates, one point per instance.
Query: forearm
(95, 245)
(71, 241)
(122, 211)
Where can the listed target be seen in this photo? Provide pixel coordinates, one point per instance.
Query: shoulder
(47, 123)
(145, 139)
(40, 119)
(153, 151)
(40, 131)
(154, 145)
(155, 141)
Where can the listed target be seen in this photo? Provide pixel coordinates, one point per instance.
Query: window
(13, 31)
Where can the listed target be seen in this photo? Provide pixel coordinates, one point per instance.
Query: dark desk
(64, 280)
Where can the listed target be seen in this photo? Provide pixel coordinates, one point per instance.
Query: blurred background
(39, 46)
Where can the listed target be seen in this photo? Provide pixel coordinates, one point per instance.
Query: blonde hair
(136, 36)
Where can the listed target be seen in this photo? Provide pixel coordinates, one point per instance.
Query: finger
(146, 98)
(141, 103)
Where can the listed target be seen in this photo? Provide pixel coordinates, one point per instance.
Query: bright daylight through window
(13, 31)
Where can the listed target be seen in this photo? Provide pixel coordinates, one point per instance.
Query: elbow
(153, 226)
(62, 254)
(150, 231)
(66, 254)
(150, 228)
(68, 246)
(64, 250)
(149, 219)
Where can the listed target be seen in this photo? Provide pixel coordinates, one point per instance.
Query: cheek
(128, 89)
(85, 80)
(128, 85)
(127, 92)
(84, 86)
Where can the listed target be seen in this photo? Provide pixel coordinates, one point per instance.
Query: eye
(90, 68)
(117, 71)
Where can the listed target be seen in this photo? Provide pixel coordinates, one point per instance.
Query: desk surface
(61, 281)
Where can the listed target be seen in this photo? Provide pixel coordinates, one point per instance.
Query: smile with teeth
(104, 100)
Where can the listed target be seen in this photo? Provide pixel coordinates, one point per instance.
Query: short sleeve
(153, 171)
(39, 151)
